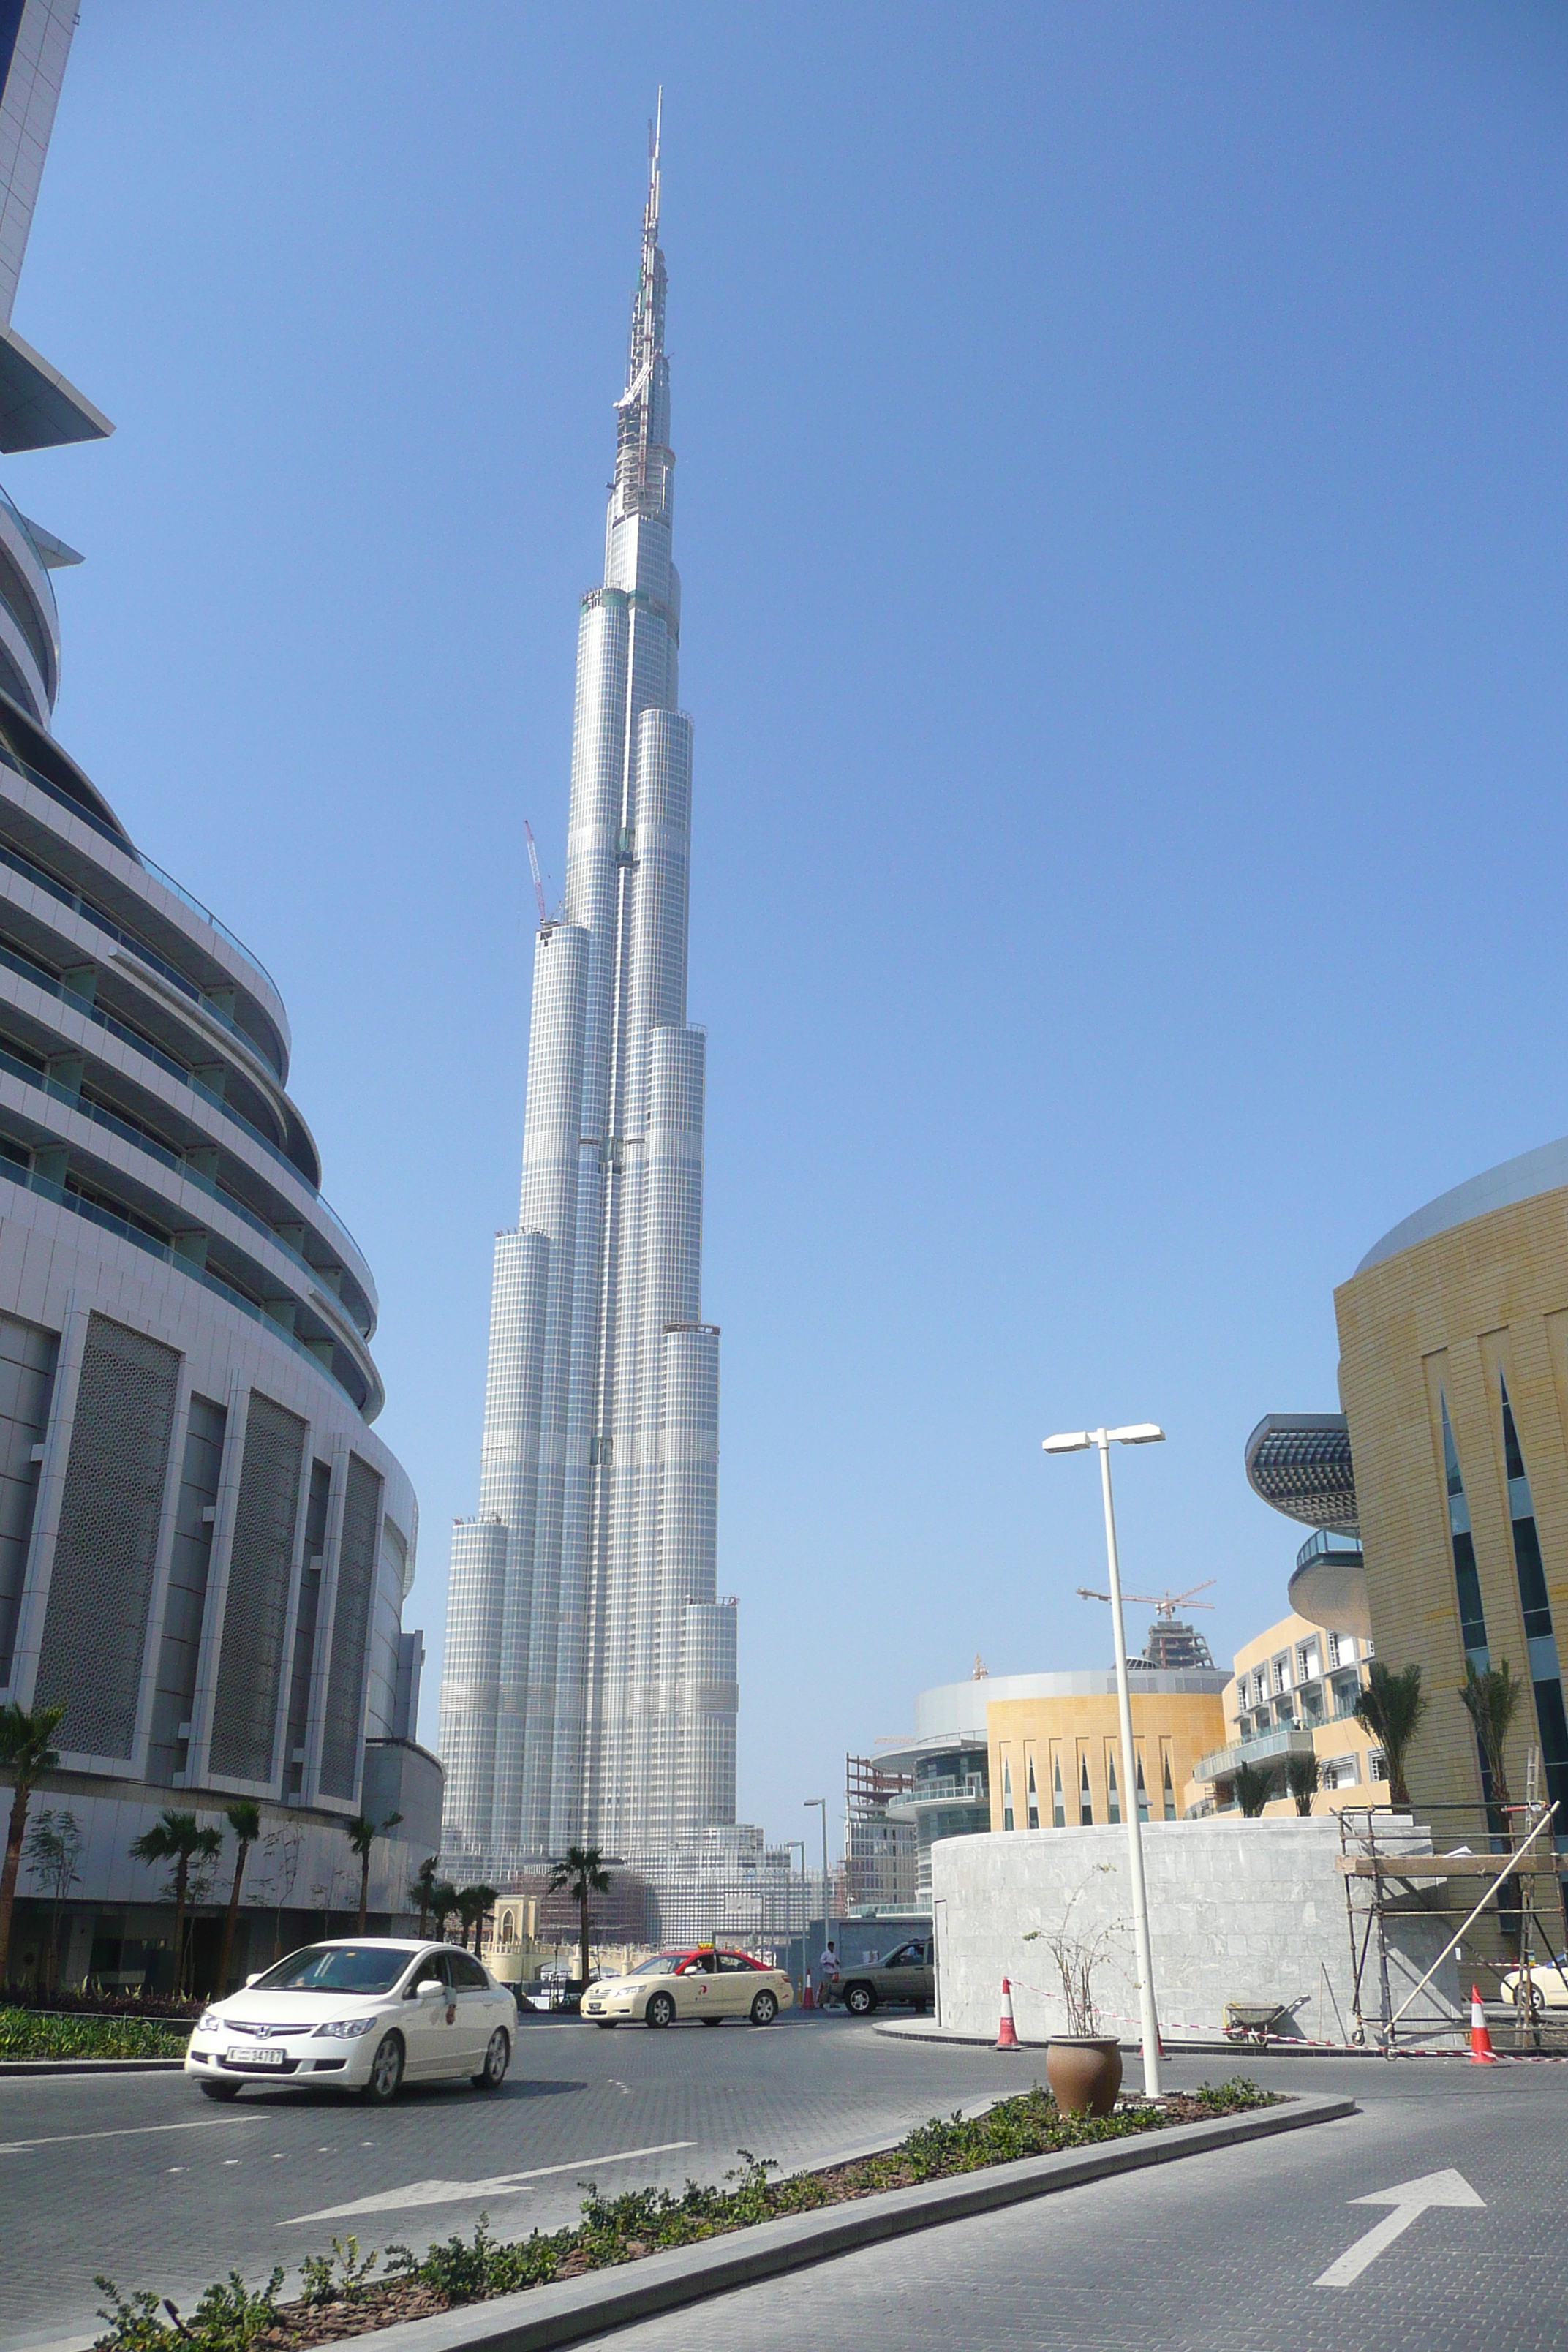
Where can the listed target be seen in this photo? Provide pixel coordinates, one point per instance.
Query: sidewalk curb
(919, 2030)
(88, 2065)
(577, 2310)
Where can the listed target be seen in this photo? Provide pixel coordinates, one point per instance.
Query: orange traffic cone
(806, 2000)
(1481, 2050)
(1007, 2033)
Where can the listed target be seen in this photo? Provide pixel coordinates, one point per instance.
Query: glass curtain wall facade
(590, 1691)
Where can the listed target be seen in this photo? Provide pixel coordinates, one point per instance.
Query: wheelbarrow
(1254, 2021)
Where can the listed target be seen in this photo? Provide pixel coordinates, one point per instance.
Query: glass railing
(1323, 1545)
(121, 1227)
(44, 584)
(32, 775)
(28, 969)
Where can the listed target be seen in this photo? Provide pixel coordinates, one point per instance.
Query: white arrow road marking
(463, 2192)
(1409, 2199)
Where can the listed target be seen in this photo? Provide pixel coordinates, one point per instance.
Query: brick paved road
(156, 2203)
(1220, 2254)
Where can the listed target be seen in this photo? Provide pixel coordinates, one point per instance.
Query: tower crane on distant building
(538, 877)
(1163, 1604)
(1172, 1644)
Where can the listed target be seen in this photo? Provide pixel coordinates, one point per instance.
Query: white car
(704, 1984)
(366, 2014)
(1547, 1984)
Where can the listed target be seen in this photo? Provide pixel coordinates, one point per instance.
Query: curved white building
(204, 1548)
(589, 1686)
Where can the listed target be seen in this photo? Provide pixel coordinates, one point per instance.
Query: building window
(1007, 1794)
(1468, 1583)
(1114, 1812)
(1281, 1675)
(1085, 1799)
(1142, 1792)
(1377, 1766)
(1170, 1791)
(1334, 1657)
(1058, 1809)
(1034, 1805)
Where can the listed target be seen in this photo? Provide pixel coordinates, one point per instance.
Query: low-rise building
(1055, 1745)
(1293, 1694)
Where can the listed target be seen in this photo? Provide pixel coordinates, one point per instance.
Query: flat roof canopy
(39, 408)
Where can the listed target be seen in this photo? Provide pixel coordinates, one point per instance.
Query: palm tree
(422, 1887)
(361, 1833)
(1302, 1780)
(1493, 1699)
(178, 1838)
(1253, 1785)
(473, 1904)
(581, 1870)
(1392, 1708)
(244, 1818)
(444, 1900)
(25, 1753)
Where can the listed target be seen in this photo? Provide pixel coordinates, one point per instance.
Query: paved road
(1221, 2254)
(140, 2177)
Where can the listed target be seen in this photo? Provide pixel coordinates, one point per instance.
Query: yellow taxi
(673, 1987)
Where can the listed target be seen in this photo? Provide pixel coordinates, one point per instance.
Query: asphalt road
(1225, 2253)
(140, 2177)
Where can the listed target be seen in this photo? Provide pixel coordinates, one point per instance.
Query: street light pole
(1143, 1432)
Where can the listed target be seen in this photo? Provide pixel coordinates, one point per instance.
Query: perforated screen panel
(350, 1624)
(95, 1627)
(255, 1613)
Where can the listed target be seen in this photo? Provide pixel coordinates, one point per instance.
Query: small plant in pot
(1083, 2065)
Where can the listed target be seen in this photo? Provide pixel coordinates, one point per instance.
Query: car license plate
(256, 2055)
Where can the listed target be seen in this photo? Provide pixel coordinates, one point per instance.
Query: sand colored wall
(1170, 1729)
(1447, 1316)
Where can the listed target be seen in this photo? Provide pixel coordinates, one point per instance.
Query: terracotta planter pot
(1084, 2071)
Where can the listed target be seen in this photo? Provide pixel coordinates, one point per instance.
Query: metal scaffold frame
(1455, 1864)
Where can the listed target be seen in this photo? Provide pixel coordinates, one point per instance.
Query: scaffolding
(1495, 1904)
(881, 1849)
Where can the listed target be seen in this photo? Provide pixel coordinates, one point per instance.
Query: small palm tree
(244, 1818)
(1253, 1785)
(444, 1900)
(1302, 1778)
(178, 1838)
(581, 1870)
(1392, 1708)
(24, 1752)
(1493, 1699)
(422, 1887)
(474, 1904)
(361, 1833)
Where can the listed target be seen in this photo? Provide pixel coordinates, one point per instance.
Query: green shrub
(30, 2033)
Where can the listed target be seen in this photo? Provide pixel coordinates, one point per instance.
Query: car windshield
(337, 1968)
(663, 1964)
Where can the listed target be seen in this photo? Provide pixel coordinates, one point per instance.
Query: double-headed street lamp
(1138, 1432)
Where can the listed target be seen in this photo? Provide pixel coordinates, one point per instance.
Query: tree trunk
(181, 1867)
(232, 1915)
(582, 1910)
(9, 1875)
(364, 1889)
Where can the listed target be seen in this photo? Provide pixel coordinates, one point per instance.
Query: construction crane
(538, 877)
(1163, 1604)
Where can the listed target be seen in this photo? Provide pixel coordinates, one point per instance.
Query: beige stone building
(1055, 1752)
(1292, 1693)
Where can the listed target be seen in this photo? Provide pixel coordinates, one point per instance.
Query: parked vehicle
(1547, 1984)
(907, 1975)
(705, 1984)
(366, 2014)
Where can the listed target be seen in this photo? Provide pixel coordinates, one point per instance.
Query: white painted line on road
(462, 2192)
(130, 2131)
(1409, 2199)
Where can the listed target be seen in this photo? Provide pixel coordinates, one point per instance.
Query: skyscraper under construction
(589, 1687)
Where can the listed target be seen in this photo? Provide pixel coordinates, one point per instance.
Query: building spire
(647, 303)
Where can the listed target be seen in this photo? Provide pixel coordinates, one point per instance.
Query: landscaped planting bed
(350, 2294)
(38, 2033)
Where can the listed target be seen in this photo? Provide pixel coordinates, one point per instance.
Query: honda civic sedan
(365, 2014)
(704, 1984)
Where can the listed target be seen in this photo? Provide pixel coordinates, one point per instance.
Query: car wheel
(661, 2010)
(605, 2024)
(859, 2000)
(498, 2057)
(220, 2090)
(385, 2072)
(764, 2009)
(712, 2020)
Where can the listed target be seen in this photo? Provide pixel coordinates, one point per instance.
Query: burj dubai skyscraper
(588, 1692)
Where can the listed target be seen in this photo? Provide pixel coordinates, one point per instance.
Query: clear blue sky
(1121, 503)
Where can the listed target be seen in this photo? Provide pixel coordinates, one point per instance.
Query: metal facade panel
(256, 1614)
(342, 1730)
